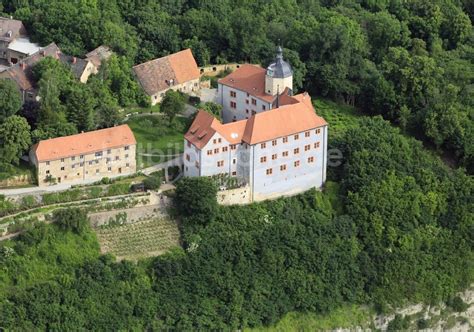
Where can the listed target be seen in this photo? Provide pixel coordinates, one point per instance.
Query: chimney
(74, 60)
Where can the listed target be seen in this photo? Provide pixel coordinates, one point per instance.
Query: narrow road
(178, 161)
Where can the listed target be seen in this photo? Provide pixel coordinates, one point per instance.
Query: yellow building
(84, 157)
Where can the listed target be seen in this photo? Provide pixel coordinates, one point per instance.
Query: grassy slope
(339, 117)
(345, 317)
(155, 136)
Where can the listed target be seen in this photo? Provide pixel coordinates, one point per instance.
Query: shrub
(118, 189)
(6, 206)
(146, 123)
(28, 202)
(95, 192)
(173, 172)
(196, 199)
(457, 304)
(398, 323)
(106, 180)
(152, 183)
(194, 100)
(35, 234)
(422, 324)
(72, 219)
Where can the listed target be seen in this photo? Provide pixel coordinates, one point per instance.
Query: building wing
(159, 74)
(84, 143)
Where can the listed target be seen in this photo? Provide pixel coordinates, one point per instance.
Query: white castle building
(273, 141)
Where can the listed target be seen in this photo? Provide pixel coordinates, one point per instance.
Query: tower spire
(279, 51)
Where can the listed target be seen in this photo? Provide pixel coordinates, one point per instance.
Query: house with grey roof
(81, 68)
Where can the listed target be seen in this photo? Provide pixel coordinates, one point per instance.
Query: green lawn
(143, 110)
(157, 138)
(339, 117)
(345, 317)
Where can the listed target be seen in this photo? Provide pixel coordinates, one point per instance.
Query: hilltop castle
(269, 138)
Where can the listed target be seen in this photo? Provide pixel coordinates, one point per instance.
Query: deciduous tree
(15, 139)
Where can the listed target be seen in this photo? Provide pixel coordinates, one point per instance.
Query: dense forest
(393, 225)
(409, 61)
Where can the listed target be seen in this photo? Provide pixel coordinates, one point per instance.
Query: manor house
(269, 138)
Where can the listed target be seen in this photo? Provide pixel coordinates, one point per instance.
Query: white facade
(289, 167)
(283, 166)
(274, 85)
(239, 105)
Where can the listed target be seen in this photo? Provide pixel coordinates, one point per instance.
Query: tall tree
(80, 104)
(196, 199)
(172, 104)
(15, 139)
(10, 99)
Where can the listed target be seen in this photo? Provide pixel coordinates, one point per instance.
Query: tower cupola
(279, 75)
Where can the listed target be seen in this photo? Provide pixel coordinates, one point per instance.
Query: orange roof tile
(205, 126)
(280, 122)
(250, 79)
(84, 143)
(184, 66)
(262, 127)
(202, 129)
(285, 99)
(233, 131)
(155, 75)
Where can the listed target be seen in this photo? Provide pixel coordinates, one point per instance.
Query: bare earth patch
(144, 238)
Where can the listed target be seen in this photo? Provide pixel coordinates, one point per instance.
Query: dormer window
(269, 72)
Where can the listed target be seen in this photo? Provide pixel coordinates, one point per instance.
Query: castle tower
(279, 75)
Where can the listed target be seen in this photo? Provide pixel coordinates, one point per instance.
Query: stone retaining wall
(234, 196)
(18, 180)
(213, 70)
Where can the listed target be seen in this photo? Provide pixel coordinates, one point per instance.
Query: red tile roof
(289, 119)
(205, 126)
(280, 122)
(155, 75)
(84, 143)
(250, 79)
